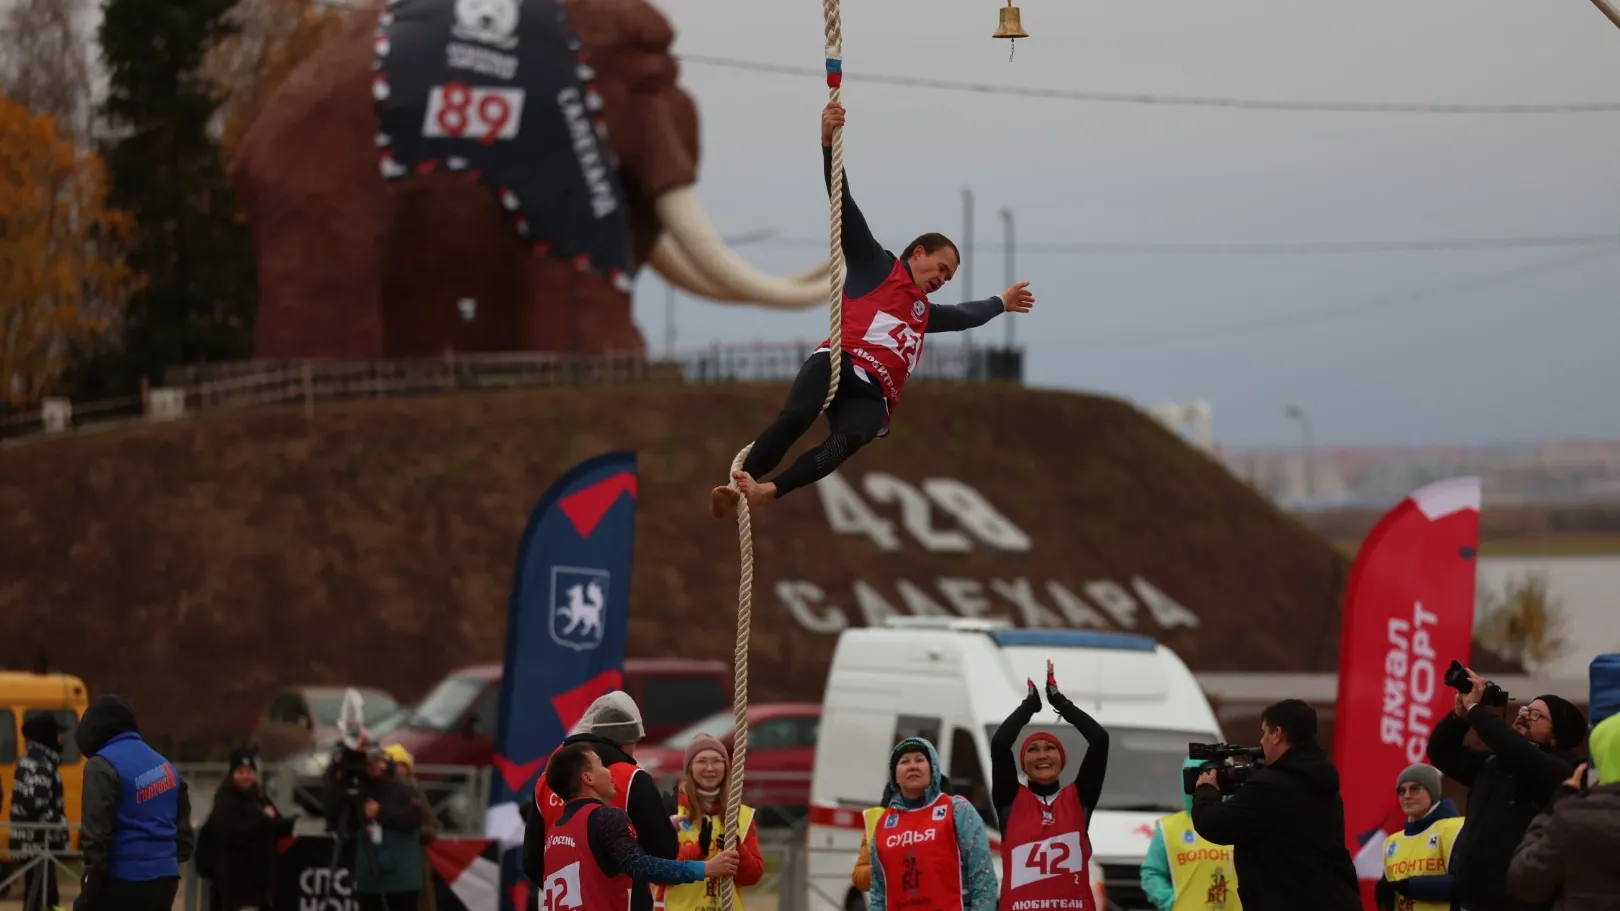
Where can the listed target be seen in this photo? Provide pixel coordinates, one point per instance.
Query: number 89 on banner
(485, 113)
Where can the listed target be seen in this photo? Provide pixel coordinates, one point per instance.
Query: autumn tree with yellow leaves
(63, 278)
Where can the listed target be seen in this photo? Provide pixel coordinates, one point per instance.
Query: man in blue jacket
(136, 820)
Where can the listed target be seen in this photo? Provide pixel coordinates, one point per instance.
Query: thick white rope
(745, 533)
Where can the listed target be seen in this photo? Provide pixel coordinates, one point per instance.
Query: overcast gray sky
(1406, 347)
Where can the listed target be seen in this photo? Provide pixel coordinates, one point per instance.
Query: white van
(954, 681)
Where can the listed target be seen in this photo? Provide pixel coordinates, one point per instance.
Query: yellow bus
(22, 696)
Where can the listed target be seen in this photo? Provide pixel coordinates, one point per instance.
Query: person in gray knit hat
(1417, 859)
(614, 717)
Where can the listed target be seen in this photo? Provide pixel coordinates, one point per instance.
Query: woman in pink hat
(700, 827)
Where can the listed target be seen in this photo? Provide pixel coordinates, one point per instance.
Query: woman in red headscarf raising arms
(1045, 851)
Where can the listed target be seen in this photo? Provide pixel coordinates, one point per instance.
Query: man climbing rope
(886, 313)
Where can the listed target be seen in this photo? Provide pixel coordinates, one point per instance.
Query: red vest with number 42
(1045, 853)
(883, 330)
(574, 881)
(922, 865)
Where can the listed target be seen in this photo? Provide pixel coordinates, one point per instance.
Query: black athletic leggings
(853, 420)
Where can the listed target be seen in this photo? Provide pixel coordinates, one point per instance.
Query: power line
(1253, 104)
(1280, 247)
(1405, 299)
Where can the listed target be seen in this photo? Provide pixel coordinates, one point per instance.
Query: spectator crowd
(1539, 832)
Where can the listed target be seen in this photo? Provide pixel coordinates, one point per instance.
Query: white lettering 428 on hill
(975, 519)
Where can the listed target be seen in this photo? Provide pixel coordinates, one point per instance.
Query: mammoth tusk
(672, 263)
(689, 227)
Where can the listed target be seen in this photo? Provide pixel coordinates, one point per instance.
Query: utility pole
(1298, 414)
(1012, 258)
(669, 320)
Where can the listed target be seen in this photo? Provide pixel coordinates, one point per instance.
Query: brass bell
(1010, 26)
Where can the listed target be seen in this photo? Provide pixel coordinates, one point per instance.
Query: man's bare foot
(722, 500)
(757, 492)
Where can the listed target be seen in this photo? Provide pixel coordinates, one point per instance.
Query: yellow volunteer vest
(1427, 853)
(703, 896)
(872, 816)
(1201, 871)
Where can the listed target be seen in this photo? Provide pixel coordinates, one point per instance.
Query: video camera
(1457, 679)
(1229, 775)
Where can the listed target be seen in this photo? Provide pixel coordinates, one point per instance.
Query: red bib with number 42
(1045, 854)
(574, 882)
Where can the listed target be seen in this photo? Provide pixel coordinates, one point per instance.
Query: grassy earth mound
(192, 566)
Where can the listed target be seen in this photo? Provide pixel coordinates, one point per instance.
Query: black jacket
(1508, 784)
(36, 794)
(644, 805)
(1286, 828)
(241, 846)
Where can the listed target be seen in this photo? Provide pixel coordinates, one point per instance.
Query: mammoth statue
(482, 175)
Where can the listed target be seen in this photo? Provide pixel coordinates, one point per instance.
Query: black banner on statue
(500, 90)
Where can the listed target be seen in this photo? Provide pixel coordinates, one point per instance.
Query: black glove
(1384, 895)
(1052, 691)
(1033, 693)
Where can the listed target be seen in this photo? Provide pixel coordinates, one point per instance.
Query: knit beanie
(700, 743)
(615, 718)
(243, 757)
(1043, 737)
(1424, 776)
(910, 745)
(44, 729)
(1568, 724)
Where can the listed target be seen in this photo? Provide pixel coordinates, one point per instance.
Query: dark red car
(781, 756)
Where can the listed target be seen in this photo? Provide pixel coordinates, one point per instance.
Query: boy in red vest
(886, 315)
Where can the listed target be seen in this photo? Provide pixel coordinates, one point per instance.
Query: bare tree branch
(46, 67)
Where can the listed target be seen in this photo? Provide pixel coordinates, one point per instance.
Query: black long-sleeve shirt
(1088, 782)
(867, 264)
(616, 849)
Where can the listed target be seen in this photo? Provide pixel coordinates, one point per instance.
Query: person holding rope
(1045, 848)
(886, 314)
(592, 858)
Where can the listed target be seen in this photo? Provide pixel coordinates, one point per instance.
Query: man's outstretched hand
(1018, 298)
(831, 116)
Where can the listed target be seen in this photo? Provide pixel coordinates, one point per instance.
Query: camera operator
(1286, 822)
(365, 802)
(1509, 782)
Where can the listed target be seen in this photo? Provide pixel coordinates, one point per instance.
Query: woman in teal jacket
(1206, 868)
